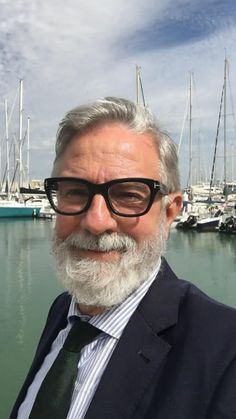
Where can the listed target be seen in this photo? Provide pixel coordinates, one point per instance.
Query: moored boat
(18, 210)
(228, 226)
(210, 223)
(188, 223)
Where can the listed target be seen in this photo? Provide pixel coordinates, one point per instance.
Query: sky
(73, 52)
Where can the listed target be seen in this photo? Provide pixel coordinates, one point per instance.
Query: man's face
(111, 151)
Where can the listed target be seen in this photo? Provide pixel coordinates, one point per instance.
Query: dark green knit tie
(54, 396)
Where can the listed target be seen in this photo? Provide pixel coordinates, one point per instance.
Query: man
(162, 349)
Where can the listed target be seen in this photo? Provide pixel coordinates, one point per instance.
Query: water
(28, 286)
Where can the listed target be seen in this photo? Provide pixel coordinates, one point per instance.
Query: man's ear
(173, 207)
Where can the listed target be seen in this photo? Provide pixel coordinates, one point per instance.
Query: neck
(90, 310)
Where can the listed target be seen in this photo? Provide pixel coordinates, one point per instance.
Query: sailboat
(12, 203)
(206, 198)
(212, 223)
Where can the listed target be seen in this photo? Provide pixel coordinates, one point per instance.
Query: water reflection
(27, 287)
(229, 243)
(201, 242)
(20, 252)
(206, 259)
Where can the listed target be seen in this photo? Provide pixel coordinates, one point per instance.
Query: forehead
(110, 150)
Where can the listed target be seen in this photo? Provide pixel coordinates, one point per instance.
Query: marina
(29, 285)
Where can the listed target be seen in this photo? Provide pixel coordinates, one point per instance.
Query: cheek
(144, 229)
(65, 225)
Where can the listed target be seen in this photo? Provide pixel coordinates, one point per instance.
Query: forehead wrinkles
(117, 147)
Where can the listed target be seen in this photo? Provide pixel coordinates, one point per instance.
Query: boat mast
(216, 144)
(183, 124)
(190, 132)
(139, 86)
(1, 180)
(225, 120)
(20, 134)
(28, 152)
(198, 175)
(7, 147)
(232, 161)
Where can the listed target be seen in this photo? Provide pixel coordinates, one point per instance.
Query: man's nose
(98, 218)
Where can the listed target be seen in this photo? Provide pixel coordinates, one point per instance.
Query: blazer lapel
(140, 352)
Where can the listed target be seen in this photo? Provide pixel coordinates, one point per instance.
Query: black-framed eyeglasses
(128, 197)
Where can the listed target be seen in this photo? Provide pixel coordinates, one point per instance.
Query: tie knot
(81, 334)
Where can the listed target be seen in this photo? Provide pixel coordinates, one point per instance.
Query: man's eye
(77, 192)
(129, 196)
(73, 193)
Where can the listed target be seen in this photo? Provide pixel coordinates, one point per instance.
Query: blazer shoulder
(194, 296)
(200, 299)
(207, 322)
(195, 309)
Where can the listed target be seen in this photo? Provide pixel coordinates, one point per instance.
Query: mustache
(105, 242)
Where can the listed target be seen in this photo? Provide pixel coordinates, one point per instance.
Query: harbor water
(28, 286)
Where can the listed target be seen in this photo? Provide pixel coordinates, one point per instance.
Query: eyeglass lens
(125, 198)
(129, 197)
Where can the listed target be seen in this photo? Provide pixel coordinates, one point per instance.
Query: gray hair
(139, 119)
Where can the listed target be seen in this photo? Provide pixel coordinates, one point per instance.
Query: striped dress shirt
(94, 356)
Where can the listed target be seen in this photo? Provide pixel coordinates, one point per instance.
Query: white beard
(101, 283)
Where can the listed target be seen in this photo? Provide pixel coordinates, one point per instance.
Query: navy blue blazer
(176, 358)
